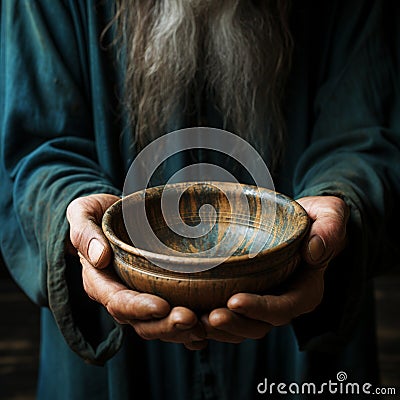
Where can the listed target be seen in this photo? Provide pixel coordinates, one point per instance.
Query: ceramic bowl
(249, 241)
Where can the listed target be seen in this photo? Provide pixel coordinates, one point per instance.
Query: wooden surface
(19, 338)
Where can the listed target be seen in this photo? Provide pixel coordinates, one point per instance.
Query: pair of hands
(245, 316)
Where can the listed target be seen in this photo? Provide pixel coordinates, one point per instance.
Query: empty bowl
(196, 244)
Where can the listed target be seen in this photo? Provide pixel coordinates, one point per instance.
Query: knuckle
(78, 219)
(286, 313)
(112, 308)
(74, 207)
(86, 288)
(70, 209)
(76, 237)
(217, 320)
(144, 333)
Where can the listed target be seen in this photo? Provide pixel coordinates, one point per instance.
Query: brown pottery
(198, 272)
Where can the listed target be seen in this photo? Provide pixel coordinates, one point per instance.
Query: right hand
(150, 316)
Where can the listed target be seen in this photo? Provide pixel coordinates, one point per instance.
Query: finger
(123, 304)
(180, 326)
(238, 325)
(327, 235)
(216, 334)
(84, 216)
(304, 295)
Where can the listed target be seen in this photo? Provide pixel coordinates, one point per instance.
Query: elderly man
(86, 85)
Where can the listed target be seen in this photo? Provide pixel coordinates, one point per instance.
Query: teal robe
(62, 137)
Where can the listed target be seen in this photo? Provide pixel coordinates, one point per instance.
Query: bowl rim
(204, 261)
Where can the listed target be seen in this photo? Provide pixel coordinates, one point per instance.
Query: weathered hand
(253, 316)
(150, 316)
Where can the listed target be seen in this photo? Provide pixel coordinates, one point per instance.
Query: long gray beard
(241, 47)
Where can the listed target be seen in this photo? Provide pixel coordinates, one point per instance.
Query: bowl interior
(209, 220)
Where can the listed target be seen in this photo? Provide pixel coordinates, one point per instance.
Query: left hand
(253, 316)
(149, 315)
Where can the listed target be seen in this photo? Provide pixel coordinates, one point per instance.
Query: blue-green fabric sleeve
(48, 153)
(354, 153)
(354, 149)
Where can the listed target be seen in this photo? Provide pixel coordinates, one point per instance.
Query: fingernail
(234, 304)
(95, 251)
(316, 248)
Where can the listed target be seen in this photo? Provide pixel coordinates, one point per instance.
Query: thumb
(327, 236)
(317, 251)
(84, 215)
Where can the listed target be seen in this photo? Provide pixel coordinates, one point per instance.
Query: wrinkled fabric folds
(62, 136)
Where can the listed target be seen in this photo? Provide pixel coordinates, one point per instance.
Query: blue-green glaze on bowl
(281, 234)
